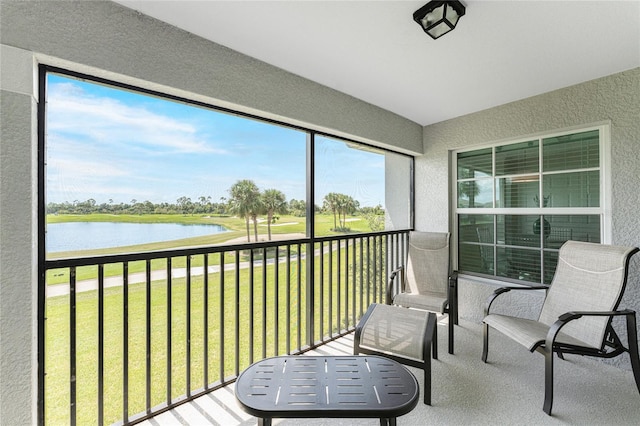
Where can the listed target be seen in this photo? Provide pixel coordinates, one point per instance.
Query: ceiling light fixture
(439, 17)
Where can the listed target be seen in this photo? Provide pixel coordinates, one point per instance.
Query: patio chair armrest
(503, 290)
(567, 317)
(395, 272)
(570, 316)
(358, 331)
(390, 287)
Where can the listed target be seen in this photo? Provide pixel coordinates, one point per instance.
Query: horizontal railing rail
(129, 336)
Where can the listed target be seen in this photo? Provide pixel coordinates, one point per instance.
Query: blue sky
(110, 144)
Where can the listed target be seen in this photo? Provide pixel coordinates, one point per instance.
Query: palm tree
(273, 201)
(184, 203)
(342, 205)
(255, 209)
(205, 204)
(244, 196)
(346, 205)
(330, 202)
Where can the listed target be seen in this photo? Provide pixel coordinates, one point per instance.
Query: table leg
(388, 421)
(264, 421)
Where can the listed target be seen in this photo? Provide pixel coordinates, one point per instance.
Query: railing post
(221, 306)
(188, 325)
(288, 300)
(168, 325)
(72, 346)
(330, 288)
(125, 342)
(321, 314)
(237, 312)
(264, 301)
(251, 303)
(362, 276)
(338, 287)
(299, 294)
(276, 304)
(148, 336)
(100, 344)
(205, 321)
(310, 290)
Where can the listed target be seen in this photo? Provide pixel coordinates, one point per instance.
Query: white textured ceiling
(501, 51)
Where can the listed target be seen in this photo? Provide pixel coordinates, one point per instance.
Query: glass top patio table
(327, 386)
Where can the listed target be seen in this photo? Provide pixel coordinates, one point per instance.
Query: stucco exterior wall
(614, 99)
(18, 241)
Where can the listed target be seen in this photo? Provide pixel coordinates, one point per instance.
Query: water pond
(71, 236)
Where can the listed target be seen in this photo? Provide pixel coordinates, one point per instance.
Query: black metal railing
(130, 336)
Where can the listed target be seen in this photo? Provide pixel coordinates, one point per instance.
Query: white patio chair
(427, 282)
(577, 312)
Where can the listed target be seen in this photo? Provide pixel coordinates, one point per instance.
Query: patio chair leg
(427, 380)
(451, 321)
(431, 337)
(455, 307)
(485, 339)
(434, 340)
(548, 380)
(632, 336)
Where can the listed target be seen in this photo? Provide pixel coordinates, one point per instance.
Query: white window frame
(604, 210)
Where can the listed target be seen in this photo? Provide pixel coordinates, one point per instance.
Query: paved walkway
(141, 277)
(55, 290)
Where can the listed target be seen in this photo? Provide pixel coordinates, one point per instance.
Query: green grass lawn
(57, 341)
(57, 351)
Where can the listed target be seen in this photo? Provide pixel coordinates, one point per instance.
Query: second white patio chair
(576, 316)
(427, 282)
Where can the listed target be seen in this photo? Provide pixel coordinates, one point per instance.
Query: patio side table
(327, 386)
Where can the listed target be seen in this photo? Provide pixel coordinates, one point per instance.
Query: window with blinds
(517, 203)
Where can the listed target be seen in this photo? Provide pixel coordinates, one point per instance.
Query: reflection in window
(575, 151)
(575, 189)
(518, 191)
(519, 158)
(475, 164)
(475, 193)
(540, 208)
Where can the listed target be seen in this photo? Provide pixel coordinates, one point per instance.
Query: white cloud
(103, 119)
(74, 169)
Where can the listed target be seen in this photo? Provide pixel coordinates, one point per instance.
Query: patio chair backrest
(428, 263)
(589, 277)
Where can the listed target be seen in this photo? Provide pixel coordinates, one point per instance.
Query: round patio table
(327, 386)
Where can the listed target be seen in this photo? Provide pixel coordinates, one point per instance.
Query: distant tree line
(245, 200)
(183, 205)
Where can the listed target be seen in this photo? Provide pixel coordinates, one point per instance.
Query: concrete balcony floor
(509, 389)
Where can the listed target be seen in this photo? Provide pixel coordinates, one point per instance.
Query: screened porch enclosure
(302, 245)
